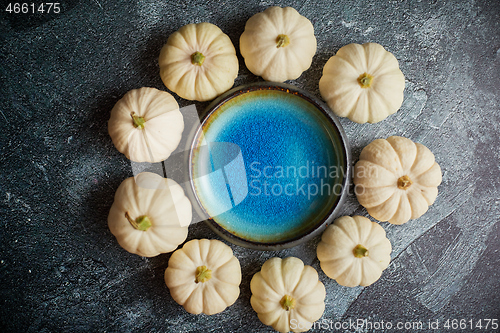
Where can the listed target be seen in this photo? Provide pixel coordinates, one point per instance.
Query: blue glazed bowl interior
(268, 166)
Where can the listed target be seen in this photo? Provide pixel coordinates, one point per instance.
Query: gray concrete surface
(62, 270)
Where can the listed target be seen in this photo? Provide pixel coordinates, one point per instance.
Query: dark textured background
(62, 270)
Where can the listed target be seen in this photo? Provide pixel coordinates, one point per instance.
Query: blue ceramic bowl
(269, 166)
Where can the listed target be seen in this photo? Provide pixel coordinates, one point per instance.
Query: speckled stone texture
(62, 270)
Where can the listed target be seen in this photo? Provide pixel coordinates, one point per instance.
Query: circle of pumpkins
(395, 178)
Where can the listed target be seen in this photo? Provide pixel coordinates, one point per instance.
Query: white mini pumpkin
(278, 44)
(396, 179)
(146, 125)
(204, 276)
(363, 83)
(198, 62)
(150, 215)
(354, 251)
(287, 295)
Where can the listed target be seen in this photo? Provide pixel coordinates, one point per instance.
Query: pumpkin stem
(203, 274)
(197, 58)
(360, 251)
(404, 182)
(142, 223)
(282, 41)
(287, 302)
(138, 121)
(365, 80)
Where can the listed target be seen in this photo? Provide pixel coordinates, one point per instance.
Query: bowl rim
(333, 120)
